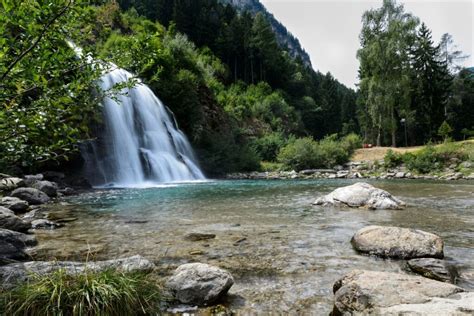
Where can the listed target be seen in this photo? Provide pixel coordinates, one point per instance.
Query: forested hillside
(237, 95)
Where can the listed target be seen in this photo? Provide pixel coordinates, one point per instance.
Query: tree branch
(38, 39)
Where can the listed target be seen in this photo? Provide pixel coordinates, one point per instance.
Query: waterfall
(139, 144)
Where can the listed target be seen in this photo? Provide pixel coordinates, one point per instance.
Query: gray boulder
(32, 178)
(14, 273)
(361, 194)
(397, 242)
(31, 195)
(48, 187)
(7, 184)
(13, 244)
(435, 269)
(199, 283)
(14, 204)
(8, 220)
(363, 292)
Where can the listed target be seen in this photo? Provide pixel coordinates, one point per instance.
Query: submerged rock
(14, 204)
(44, 224)
(31, 195)
(13, 273)
(13, 244)
(7, 184)
(199, 236)
(199, 283)
(361, 195)
(365, 292)
(8, 220)
(435, 269)
(397, 242)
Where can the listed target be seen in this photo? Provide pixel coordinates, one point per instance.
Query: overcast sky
(329, 29)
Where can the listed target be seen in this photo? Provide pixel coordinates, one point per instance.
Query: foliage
(271, 166)
(306, 153)
(300, 154)
(445, 130)
(86, 293)
(392, 159)
(268, 146)
(45, 89)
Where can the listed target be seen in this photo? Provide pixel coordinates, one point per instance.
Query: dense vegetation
(407, 83)
(87, 293)
(239, 96)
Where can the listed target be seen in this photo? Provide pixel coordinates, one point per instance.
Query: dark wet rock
(199, 236)
(363, 292)
(19, 272)
(54, 176)
(199, 283)
(67, 191)
(32, 178)
(435, 269)
(31, 195)
(8, 220)
(48, 187)
(7, 184)
(14, 204)
(397, 242)
(44, 224)
(13, 244)
(361, 195)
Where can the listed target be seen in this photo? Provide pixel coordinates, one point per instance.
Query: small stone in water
(199, 236)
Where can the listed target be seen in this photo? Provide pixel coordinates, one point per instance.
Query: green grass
(89, 293)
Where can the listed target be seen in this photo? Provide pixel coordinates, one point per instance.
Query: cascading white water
(140, 144)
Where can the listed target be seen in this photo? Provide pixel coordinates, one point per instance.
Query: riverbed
(284, 253)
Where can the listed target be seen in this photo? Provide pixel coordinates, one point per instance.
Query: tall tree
(387, 33)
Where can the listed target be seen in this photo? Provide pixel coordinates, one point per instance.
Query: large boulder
(14, 273)
(435, 269)
(361, 195)
(199, 283)
(48, 187)
(31, 195)
(7, 184)
(8, 220)
(363, 292)
(13, 244)
(397, 242)
(14, 204)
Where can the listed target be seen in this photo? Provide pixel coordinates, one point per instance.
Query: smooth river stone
(361, 194)
(363, 292)
(435, 269)
(397, 242)
(199, 283)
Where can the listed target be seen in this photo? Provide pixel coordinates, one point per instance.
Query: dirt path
(377, 153)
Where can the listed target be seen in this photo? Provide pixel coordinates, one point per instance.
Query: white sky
(329, 30)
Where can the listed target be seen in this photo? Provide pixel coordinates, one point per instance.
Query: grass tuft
(88, 293)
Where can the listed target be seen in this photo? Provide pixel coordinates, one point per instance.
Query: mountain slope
(285, 39)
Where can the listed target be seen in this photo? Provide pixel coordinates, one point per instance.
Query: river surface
(284, 253)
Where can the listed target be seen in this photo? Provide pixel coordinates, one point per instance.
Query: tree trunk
(394, 129)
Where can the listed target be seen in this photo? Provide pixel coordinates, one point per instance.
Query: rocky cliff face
(284, 38)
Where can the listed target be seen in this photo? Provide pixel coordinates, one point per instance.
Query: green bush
(302, 153)
(351, 142)
(269, 145)
(333, 152)
(88, 293)
(424, 161)
(392, 159)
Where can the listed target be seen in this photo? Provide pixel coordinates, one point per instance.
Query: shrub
(269, 145)
(333, 152)
(392, 159)
(423, 161)
(351, 142)
(271, 166)
(88, 293)
(445, 130)
(302, 153)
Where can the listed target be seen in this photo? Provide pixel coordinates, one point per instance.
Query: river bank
(362, 170)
